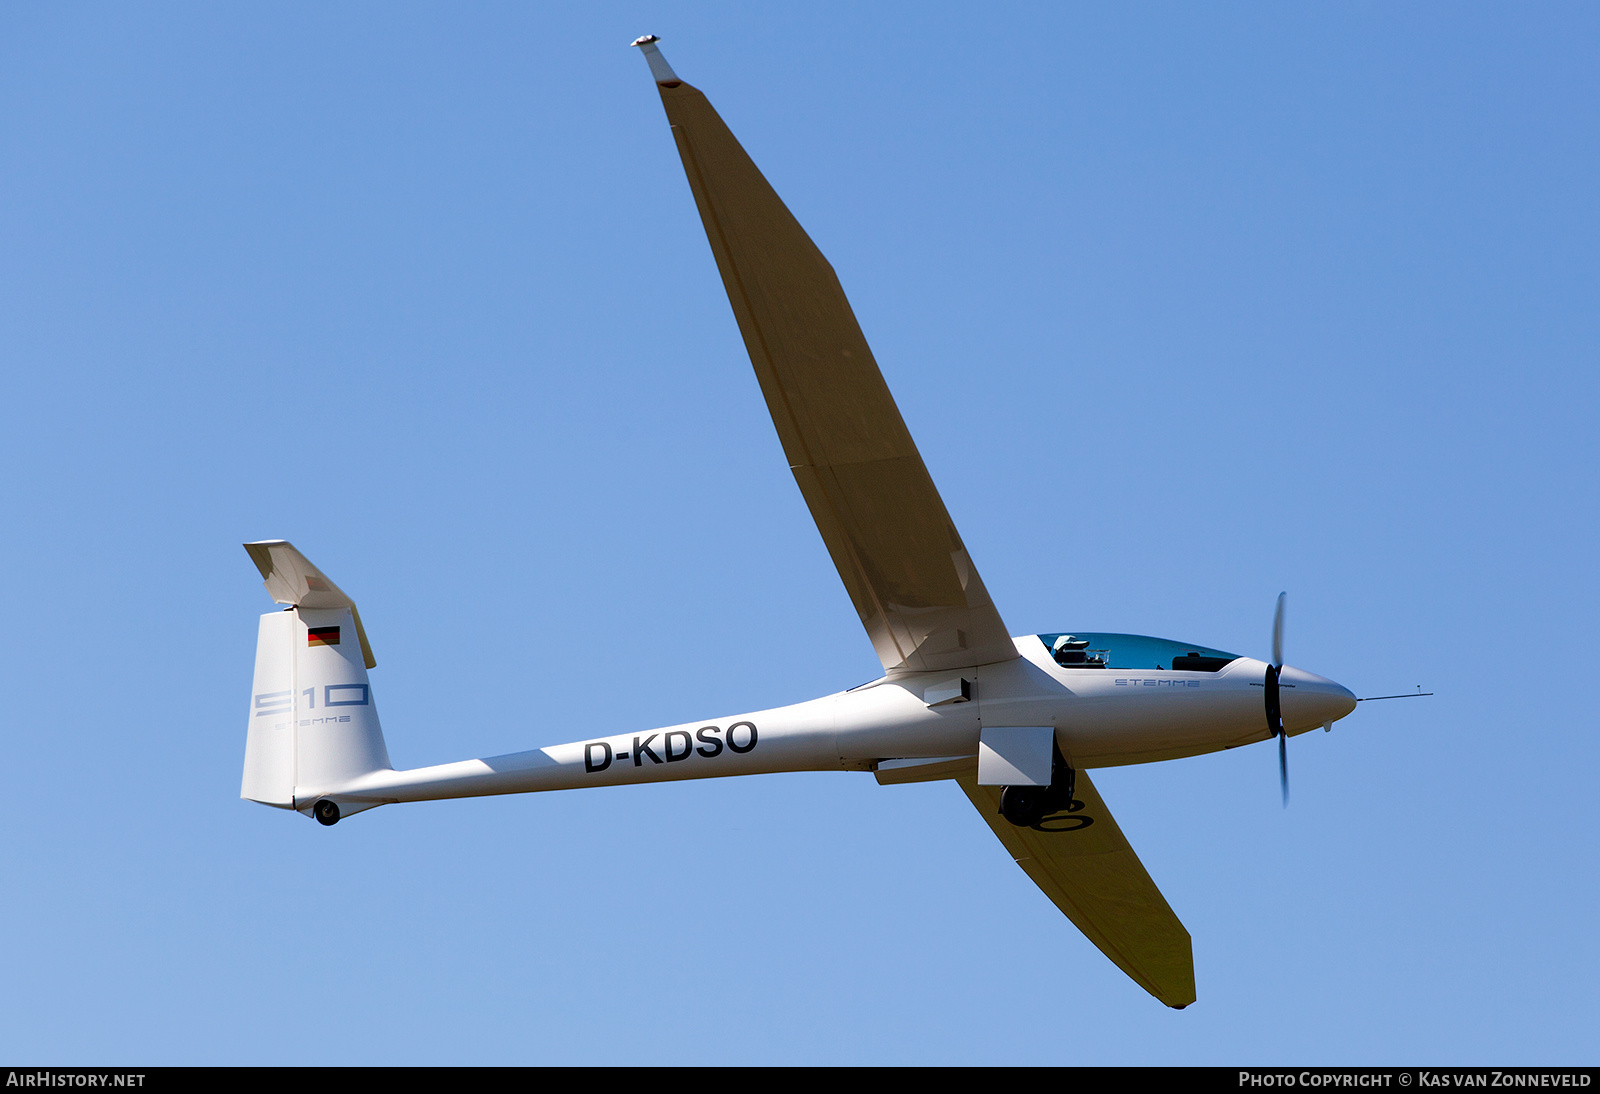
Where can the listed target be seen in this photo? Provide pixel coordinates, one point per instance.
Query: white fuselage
(1102, 718)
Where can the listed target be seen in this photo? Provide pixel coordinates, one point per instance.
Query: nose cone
(1309, 700)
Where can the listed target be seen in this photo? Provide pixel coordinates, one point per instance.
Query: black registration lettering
(733, 740)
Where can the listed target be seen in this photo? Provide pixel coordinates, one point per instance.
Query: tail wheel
(326, 811)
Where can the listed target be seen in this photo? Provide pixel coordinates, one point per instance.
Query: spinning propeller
(1274, 708)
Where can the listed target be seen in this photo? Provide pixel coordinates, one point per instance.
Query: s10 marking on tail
(333, 695)
(274, 702)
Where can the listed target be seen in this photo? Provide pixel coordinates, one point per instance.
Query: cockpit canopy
(1098, 650)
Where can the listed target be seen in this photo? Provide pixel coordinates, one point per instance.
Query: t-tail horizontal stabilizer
(312, 721)
(291, 579)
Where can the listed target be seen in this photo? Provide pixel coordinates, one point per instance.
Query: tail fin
(313, 724)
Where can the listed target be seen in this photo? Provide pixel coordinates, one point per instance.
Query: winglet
(658, 64)
(292, 579)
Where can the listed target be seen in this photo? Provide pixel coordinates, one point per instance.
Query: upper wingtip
(658, 64)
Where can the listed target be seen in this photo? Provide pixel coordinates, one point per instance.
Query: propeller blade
(1275, 727)
(1277, 632)
(1283, 765)
(1274, 709)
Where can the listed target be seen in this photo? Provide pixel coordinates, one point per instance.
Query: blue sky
(1185, 306)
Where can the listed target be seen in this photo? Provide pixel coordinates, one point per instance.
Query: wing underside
(885, 526)
(1086, 867)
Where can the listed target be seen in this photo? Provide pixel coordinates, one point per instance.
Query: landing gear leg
(1063, 784)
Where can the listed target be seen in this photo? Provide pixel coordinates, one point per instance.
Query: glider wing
(1085, 866)
(885, 526)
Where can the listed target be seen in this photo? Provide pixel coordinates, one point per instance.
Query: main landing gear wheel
(1025, 806)
(326, 811)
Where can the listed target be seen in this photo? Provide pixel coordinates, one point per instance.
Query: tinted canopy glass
(1100, 650)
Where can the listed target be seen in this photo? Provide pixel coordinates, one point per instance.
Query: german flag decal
(322, 636)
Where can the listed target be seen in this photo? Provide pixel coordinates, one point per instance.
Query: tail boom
(793, 738)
